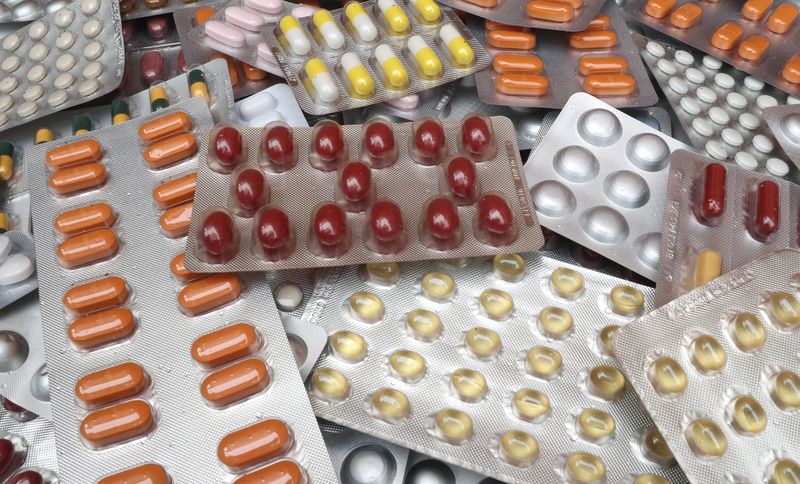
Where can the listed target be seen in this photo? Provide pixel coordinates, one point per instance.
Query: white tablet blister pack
(275, 103)
(27, 10)
(784, 121)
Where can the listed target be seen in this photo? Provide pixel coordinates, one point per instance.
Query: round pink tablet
(224, 33)
(266, 6)
(246, 19)
(303, 11)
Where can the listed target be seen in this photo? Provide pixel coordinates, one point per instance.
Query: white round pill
(716, 150)
(38, 52)
(765, 101)
(288, 297)
(777, 167)
(57, 98)
(92, 28)
(684, 57)
(706, 95)
(10, 64)
(712, 63)
(15, 269)
(37, 30)
(64, 80)
(725, 81)
(33, 93)
(93, 50)
(8, 84)
(27, 109)
(763, 144)
(678, 85)
(11, 42)
(667, 67)
(65, 62)
(719, 115)
(753, 83)
(92, 70)
(64, 17)
(745, 160)
(792, 100)
(736, 100)
(5, 102)
(89, 7)
(36, 73)
(88, 87)
(65, 40)
(749, 121)
(732, 137)
(694, 75)
(703, 127)
(655, 49)
(690, 105)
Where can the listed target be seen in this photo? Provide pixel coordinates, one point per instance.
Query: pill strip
(599, 178)
(770, 65)
(747, 353)
(561, 67)
(351, 450)
(131, 9)
(156, 295)
(32, 437)
(16, 11)
(504, 333)
(17, 266)
(784, 121)
(516, 13)
(732, 232)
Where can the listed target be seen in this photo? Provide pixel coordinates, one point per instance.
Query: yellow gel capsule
(667, 377)
(706, 439)
(566, 283)
(383, 273)
(394, 73)
(650, 479)
(655, 449)
(747, 332)
(746, 415)
(423, 325)
(606, 382)
(460, 50)
(543, 362)
(407, 366)
(428, 62)
(604, 339)
(509, 267)
(348, 346)
(468, 385)
(390, 405)
(453, 426)
(366, 307)
(555, 322)
(518, 448)
(438, 286)
(530, 405)
(427, 10)
(707, 354)
(626, 300)
(396, 19)
(584, 468)
(784, 471)
(483, 343)
(707, 267)
(784, 310)
(595, 425)
(496, 304)
(357, 75)
(785, 391)
(6, 167)
(329, 384)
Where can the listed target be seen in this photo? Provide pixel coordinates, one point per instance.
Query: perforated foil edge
(492, 416)
(39, 435)
(774, 116)
(187, 431)
(663, 332)
(341, 442)
(515, 13)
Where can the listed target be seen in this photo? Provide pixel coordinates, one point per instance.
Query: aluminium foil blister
(306, 341)
(359, 458)
(599, 177)
(784, 121)
(33, 438)
(685, 235)
(27, 10)
(164, 335)
(515, 13)
(20, 253)
(423, 469)
(730, 343)
(132, 9)
(501, 347)
(95, 61)
(561, 67)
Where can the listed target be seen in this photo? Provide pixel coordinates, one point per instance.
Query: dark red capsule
(151, 67)
(767, 214)
(386, 221)
(228, 146)
(26, 477)
(6, 455)
(279, 145)
(355, 181)
(476, 135)
(379, 139)
(274, 229)
(712, 204)
(329, 141)
(494, 214)
(218, 233)
(461, 177)
(250, 188)
(441, 218)
(12, 407)
(429, 138)
(330, 224)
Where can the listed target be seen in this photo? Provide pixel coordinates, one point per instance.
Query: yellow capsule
(394, 73)
(496, 304)
(595, 425)
(4, 225)
(460, 50)
(518, 448)
(383, 273)
(509, 267)
(707, 267)
(626, 300)
(482, 343)
(785, 390)
(453, 426)
(330, 385)
(357, 76)
(438, 286)
(556, 323)
(426, 59)
(320, 82)
(360, 22)
(784, 471)
(655, 449)
(650, 479)
(366, 307)
(747, 332)
(390, 405)
(784, 310)
(6, 167)
(606, 382)
(395, 18)
(468, 385)
(566, 283)
(543, 362)
(530, 405)
(667, 377)
(348, 346)
(584, 468)
(293, 33)
(407, 365)
(746, 415)
(706, 439)
(331, 36)
(427, 10)
(604, 339)
(197, 84)
(707, 354)
(43, 135)
(423, 325)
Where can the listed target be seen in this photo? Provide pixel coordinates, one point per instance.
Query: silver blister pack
(423, 469)
(306, 340)
(64, 59)
(516, 13)
(723, 220)
(33, 443)
(132, 9)
(784, 121)
(500, 366)
(17, 266)
(27, 10)
(561, 67)
(717, 371)
(599, 178)
(178, 409)
(360, 458)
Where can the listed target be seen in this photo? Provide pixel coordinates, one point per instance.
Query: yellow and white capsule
(393, 70)
(331, 35)
(293, 33)
(427, 10)
(427, 60)
(458, 46)
(396, 19)
(361, 22)
(321, 80)
(360, 81)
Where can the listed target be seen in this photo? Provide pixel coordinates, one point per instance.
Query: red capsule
(250, 188)
(441, 218)
(279, 145)
(712, 204)
(6, 455)
(386, 221)
(494, 214)
(379, 139)
(767, 215)
(477, 137)
(12, 407)
(329, 141)
(274, 228)
(228, 146)
(330, 224)
(355, 181)
(429, 142)
(26, 477)
(219, 235)
(462, 179)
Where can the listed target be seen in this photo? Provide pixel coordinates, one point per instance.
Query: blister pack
(149, 33)
(17, 266)
(569, 15)
(104, 307)
(360, 458)
(717, 370)
(750, 35)
(275, 103)
(132, 9)
(501, 366)
(27, 10)
(422, 469)
(599, 178)
(64, 59)
(784, 121)
(266, 208)
(720, 108)
(544, 68)
(28, 446)
(433, 102)
(717, 217)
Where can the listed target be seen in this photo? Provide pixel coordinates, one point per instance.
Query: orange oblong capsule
(170, 150)
(117, 424)
(755, 9)
(483, 3)
(602, 65)
(225, 345)
(179, 270)
(164, 126)
(255, 444)
(511, 39)
(96, 295)
(593, 39)
(600, 22)
(489, 25)
(95, 216)
(527, 63)
(791, 71)
(754, 47)
(111, 384)
(782, 18)
(175, 221)
(552, 11)
(87, 248)
(283, 472)
(659, 8)
(77, 178)
(76, 153)
(235, 383)
(143, 474)
(173, 192)
(520, 84)
(209, 293)
(609, 84)
(726, 35)
(686, 15)
(101, 328)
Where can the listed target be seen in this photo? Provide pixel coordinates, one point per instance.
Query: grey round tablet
(718, 115)
(712, 63)
(655, 49)
(13, 351)
(763, 144)
(288, 297)
(703, 127)
(63, 18)
(553, 199)
(746, 160)
(600, 127)
(57, 98)
(736, 100)
(63, 81)
(684, 57)
(576, 164)
(626, 189)
(706, 95)
(716, 150)
(36, 73)
(10, 64)
(667, 67)
(694, 75)
(604, 225)
(648, 152)
(690, 105)
(749, 121)
(678, 85)
(92, 70)
(777, 167)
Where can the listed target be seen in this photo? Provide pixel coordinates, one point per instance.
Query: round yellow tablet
(655, 449)
(468, 385)
(496, 304)
(530, 405)
(509, 267)
(746, 415)
(366, 307)
(330, 385)
(407, 365)
(606, 382)
(383, 273)
(626, 300)
(390, 405)
(747, 332)
(438, 286)
(784, 310)
(706, 439)
(667, 377)
(584, 468)
(595, 425)
(604, 339)
(707, 354)
(556, 323)
(518, 448)
(423, 325)
(453, 426)
(566, 283)
(482, 343)
(543, 362)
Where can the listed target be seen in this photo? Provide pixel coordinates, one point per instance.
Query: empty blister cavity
(600, 127)
(553, 199)
(648, 152)
(626, 189)
(604, 225)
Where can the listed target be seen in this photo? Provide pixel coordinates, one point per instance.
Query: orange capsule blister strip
(560, 15)
(119, 331)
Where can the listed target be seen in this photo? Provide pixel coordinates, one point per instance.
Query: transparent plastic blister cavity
(32, 446)
(569, 16)
(132, 9)
(717, 370)
(784, 121)
(434, 102)
(717, 217)
(153, 32)
(275, 103)
(599, 177)
(499, 365)
(111, 314)
(359, 457)
(17, 266)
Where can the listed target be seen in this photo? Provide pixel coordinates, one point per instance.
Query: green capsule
(81, 125)
(158, 98)
(120, 111)
(197, 84)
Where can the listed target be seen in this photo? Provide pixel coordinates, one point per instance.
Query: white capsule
(324, 86)
(15, 269)
(333, 37)
(361, 22)
(294, 35)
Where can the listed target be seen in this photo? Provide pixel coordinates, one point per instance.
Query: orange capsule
(203, 14)
(179, 270)
(782, 18)
(489, 25)
(686, 15)
(519, 84)
(659, 8)
(175, 221)
(143, 474)
(225, 345)
(253, 73)
(110, 385)
(175, 191)
(209, 293)
(76, 153)
(600, 22)
(77, 178)
(164, 126)
(72, 222)
(511, 39)
(483, 3)
(235, 383)
(726, 35)
(87, 248)
(231, 67)
(255, 444)
(755, 9)
(609, 84)
(527, 63)
(101, 328)
(117, 424)
(602, 65)
(170, 150)
(96, 295)
(593, 39)
(281, 472)
(552, 11)
(754, 47)
(576, 4)
(791, 71)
